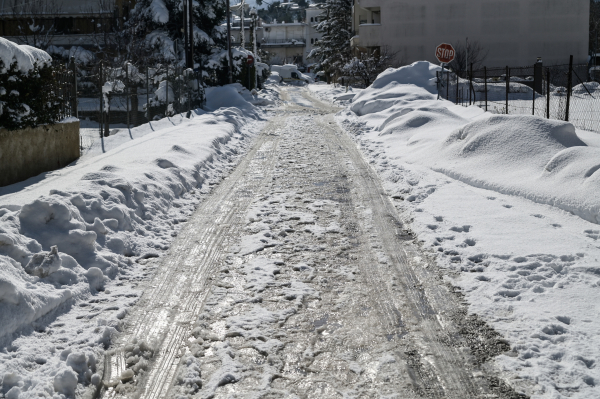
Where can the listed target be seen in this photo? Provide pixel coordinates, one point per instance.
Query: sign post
(445, 53)
(250, 65)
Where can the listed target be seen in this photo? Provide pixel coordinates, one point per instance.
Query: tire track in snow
(163, 316)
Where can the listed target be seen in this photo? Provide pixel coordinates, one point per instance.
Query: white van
(289, 73)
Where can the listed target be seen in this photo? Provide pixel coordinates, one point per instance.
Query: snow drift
(538, 159)
(61, 239)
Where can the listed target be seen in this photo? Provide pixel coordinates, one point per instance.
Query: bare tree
(366, 66)
(36, 21)
(475, 52)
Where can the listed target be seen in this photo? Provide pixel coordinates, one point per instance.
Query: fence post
(148, 94)
(106, 112)
(548, 93)
(101, 110)
(180, 82)
(569, 88)
(74, 95)
(437, 81)
(507, 87)
(447, 84)
(457, 86)
(485, 87)
(167, 92)
(535, 76)
(127, 94)
(471, 84)
(189, 95)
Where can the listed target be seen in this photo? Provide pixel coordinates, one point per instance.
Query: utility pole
(186, 36)
(242, 38)
(191, 33)
(188, 33)
(254, 16)
(229, 43)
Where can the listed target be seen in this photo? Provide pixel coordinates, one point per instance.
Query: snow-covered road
(297, 278)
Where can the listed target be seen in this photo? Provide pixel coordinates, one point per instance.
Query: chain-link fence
(563, 92)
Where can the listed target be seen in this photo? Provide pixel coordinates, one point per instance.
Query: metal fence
(108, 98)
(562, 92)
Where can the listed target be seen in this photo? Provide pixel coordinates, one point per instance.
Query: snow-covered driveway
(297, 278)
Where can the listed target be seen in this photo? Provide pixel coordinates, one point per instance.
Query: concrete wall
(28, 152)
(516, 32)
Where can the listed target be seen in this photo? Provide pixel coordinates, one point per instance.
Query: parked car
(290, 73)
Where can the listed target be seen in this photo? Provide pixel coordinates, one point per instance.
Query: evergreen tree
(333, 51)
(160, 23)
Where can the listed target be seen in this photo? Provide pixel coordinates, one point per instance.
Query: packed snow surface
(509, 206)
(73, 242)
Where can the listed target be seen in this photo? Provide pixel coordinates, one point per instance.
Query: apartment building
(515, 32)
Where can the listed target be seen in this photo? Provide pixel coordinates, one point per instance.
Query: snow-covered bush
(28, 95)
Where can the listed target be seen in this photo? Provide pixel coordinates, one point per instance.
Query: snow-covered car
(290, 73)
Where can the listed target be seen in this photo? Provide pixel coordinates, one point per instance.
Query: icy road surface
(297, 279)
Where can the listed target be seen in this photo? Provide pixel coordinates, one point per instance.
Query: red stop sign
(250, 59)
(445, 53)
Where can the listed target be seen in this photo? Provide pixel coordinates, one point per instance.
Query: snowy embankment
(509, 206)
(73, 243)
(337, 94)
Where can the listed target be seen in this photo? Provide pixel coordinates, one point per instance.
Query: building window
(312, 19)
(312, 41)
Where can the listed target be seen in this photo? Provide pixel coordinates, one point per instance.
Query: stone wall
(28, 152)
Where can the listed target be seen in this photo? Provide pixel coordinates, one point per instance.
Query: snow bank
(25, 56)
(335, 93)
(73, 240)
(538, 159)
(236, 95)
(508, 208)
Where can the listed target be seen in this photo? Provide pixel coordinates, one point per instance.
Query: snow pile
(25, 56)
(538, 159)
(335, 93)
(236, 95)
(509, 205)
(76, 238)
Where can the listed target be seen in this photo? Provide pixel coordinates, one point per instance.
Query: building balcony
(370, 35)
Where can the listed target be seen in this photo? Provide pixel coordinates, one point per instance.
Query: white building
(314, 15)
(285, 41)
(515, 32)
(292, 42)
